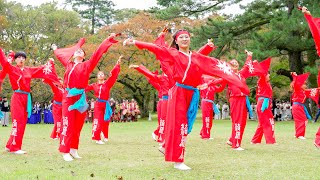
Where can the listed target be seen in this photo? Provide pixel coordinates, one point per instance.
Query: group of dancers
(186, 76)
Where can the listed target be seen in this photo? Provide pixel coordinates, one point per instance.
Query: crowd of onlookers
(125, 111)
(281, 110)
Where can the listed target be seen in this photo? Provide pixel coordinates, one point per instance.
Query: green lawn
(131, 154)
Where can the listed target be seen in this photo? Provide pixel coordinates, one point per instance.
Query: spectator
(5, 108)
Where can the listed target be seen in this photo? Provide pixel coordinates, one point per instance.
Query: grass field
(131, 154)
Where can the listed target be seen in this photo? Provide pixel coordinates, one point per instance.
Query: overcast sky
(138, 4)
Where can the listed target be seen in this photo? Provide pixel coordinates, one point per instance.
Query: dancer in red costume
(238, 99)
(299, 111)
(161, 82)
(20, 78)
(315, 30)
(264, 104)
(187, 68)
(74, 103)
(102, 109)
(207, 104)
(58, 91)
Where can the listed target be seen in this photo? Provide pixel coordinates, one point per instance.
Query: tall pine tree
(99, 12)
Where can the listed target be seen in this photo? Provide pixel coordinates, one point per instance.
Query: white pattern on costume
(272, 123)
(94, 128)
(250, 65)
(14, 131)
(224, 66)
(183, 133)
(64, 129)
(47, 68)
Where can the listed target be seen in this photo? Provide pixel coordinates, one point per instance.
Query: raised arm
(65, 54)
(313, 94)
(6, 66)
(152, 81)
(46, 71)
(163, 54)
(114, 73)
(103, 48)
(215, 67)
(89, 88)
(146, 72)
(207, 48)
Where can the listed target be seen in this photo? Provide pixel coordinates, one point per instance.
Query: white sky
(138, 4)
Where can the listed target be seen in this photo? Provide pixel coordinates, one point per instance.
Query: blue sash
(108, 111)
(1, 115)
(81, 105)
(305, 110)
(214, 106)
(165, 98)
(193, 107)
(249, 107)
(29, 103)
(265, 103)
(56, 102)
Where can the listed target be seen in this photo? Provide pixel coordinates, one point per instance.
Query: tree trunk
(295, 62)
(93, 18)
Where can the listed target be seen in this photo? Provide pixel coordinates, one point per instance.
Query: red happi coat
(20, 79)
(56, 108)
(102, 91)
(76, 76)
(2, 76)
(237, 99)
(265, 118)
(164, 85)
(207, 107)
(299, 96)
(185, 69)
(314, 25)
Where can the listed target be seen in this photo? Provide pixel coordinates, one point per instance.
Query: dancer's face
(79, 53)
(304, 86)
(183, 41)
(234, 65)
(101, 75)
(268, 77)
(20, 61)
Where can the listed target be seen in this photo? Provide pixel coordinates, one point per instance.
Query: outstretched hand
(249, 53)
(305, 10)
(128, 42)
(133, 66)
(210, 42)
(202, 86)
(119, 59)
(54, 47)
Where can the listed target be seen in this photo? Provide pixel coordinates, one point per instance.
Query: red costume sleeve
(162, 53)
(65, 54)
(2, 76)
(215, 67)
(147, 73)
(151, 77)
(103, 48)
(313, 94)
(6, 66)
(113, 75)
(206, 49)
(314, 25)
(161, 41)
(89, 88)
(46, 71)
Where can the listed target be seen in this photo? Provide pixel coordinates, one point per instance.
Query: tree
(99, 12)
(189, 8)
(131, 84)
(33, 30)
(268, 28)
